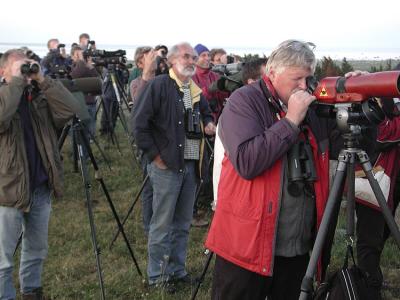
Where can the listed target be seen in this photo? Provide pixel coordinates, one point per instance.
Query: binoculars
(192, 124)
(301, 167)
(29, 68)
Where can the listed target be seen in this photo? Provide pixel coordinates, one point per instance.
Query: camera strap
(277, 109)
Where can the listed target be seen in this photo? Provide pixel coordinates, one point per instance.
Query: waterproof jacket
(51, 107)
(159, 120)
(256, 138)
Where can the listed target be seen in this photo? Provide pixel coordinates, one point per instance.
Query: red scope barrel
(358, 88)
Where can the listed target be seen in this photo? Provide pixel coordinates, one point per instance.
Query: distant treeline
(328, 67)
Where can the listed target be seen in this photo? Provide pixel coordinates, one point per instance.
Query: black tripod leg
(350, 201)
(367, 167)
(87, 186)
(63, 136)
(334, 196)
(130, 209)
(103, 186)
(98, 146)
(203, 274)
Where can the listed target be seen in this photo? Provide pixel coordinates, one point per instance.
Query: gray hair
(51, 41)
(174, 51)
(292, 53)
(140, 52)
(11, 53)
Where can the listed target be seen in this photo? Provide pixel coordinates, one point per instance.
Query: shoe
(36, 294)
(199, 221)
(188, 279)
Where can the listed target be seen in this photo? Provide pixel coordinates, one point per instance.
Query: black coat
(159, 121)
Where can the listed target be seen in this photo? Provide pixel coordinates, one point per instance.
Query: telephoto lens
(29, 68)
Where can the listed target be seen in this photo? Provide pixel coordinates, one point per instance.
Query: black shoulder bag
(348, 283)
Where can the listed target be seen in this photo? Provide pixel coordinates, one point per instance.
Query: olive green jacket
(49, 110)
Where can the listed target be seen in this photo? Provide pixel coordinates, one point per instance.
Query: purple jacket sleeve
(251, 137)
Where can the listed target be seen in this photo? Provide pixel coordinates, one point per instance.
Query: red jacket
(388, 133)
(204, 78)
(244, 226)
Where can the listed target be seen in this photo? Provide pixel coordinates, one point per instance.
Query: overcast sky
(327, 23)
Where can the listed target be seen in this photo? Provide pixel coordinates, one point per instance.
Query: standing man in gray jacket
(31, 108)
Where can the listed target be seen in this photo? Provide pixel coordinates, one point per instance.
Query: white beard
(187, 72)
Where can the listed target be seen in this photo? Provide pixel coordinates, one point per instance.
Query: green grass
(70, 270)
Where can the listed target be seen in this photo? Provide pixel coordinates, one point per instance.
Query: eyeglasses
(188, 56)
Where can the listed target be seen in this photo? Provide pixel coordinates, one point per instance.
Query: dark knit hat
(200, 49)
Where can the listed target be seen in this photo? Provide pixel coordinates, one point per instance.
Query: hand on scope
(355, 73)
(298, 105)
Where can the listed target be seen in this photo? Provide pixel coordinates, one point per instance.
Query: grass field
(70, 270)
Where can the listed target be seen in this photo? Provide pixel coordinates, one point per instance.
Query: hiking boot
(185, 280)
(199, 221)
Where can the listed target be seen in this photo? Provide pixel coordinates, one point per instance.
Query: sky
(215, 23)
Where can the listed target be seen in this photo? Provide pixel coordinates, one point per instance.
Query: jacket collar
(202, 71)
(195, 91)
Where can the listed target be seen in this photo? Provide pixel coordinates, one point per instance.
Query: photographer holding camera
(145, 60)
(31, 107)
(85, 42)
(82, 68)
(266, 218)
(56, 61)
(169, 121)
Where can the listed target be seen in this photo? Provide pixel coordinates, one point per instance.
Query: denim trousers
(34, 228)
(173, 200)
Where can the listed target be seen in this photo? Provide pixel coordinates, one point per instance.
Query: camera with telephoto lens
(192, 124)
(228, 69)
(60, 71)
(91, 52)
(103, 58)
(105, 61)
(29, 68)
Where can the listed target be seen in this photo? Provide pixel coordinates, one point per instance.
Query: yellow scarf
(195, 91)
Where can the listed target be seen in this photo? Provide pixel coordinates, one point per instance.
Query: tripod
(346, 168)
(83, 150)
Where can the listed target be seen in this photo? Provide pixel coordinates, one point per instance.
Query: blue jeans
(173, 200)
(34, 225)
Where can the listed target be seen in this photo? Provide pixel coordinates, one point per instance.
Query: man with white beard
(169, 122)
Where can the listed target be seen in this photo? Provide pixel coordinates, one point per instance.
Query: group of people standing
(262, 230)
